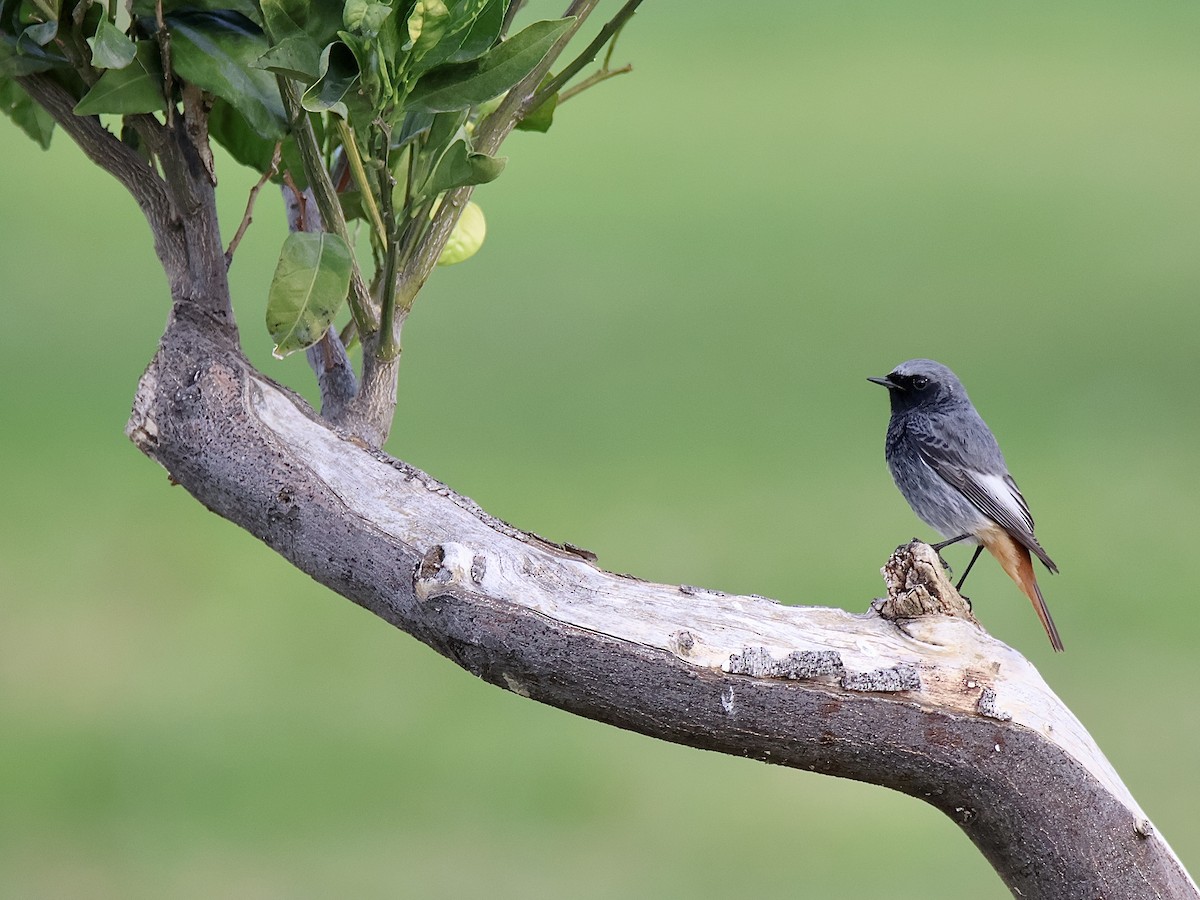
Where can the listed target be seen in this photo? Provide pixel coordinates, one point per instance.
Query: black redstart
(949, 468)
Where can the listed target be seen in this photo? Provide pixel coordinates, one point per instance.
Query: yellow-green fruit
(467, 236)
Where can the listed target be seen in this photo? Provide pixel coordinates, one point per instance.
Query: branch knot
(446, 566)
(917, 586)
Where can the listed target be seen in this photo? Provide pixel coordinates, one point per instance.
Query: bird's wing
(995, 494)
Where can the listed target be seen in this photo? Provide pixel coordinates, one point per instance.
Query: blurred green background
(660, 354)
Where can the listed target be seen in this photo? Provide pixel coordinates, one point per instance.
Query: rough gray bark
(910, 695)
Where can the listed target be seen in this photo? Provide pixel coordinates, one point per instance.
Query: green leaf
(297, 57)
(26, 60)
(298, 30)
(415, 123)
(482, 34)
(28, 116)
(37, 35)
(443, 128)
(469, 84)
(376, 44)
(216, 51)
(229, 128)
(429, 21)
(111, 47)
(375, 83)
(541, 117)
(248, 8)
(338, 75)
(321, 21)
(138, 88)
(458, 167)
(310, 284)
(471, 29)
(364, 17)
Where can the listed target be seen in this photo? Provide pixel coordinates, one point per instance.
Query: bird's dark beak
(886, 381)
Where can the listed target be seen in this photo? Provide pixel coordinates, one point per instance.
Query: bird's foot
(941, 559)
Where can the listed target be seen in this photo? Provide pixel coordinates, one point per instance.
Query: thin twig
(75, 48)
(164, 50)
(301, 204)
(492, 131)
(573, 68)
(612, 46)
(348, 335)
(591, 81)
(509, 15)
(249, 216)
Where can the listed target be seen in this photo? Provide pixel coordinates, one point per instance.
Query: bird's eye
(920, 382)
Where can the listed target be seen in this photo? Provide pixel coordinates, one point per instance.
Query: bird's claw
(938, 551)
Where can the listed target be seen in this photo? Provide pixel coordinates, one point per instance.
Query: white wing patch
(1004, 491)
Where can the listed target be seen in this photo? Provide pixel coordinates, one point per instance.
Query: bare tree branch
(608, 33)
(923, 703)
(248, 216)
(108, 152)
(180, 207)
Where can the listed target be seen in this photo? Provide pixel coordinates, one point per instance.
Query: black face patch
(910, 382)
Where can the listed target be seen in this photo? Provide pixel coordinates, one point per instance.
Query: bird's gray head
(921, 384)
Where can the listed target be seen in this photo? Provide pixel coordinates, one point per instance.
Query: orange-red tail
(1015, 560)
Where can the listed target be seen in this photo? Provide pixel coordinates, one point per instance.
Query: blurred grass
(660, 355)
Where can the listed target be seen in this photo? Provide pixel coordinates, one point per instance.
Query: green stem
(350, 147)
(591, 81)
(612, 45)
(388, 348)
(413, 232)
(411, 176)
(327, 202)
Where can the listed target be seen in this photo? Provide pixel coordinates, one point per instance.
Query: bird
(947, 464)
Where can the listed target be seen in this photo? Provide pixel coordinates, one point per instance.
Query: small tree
(388, 114)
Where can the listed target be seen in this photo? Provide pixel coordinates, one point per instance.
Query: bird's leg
(967, 571)
(953, 540)
(937, 548)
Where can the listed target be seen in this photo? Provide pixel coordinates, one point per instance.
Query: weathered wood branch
(927, 704)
